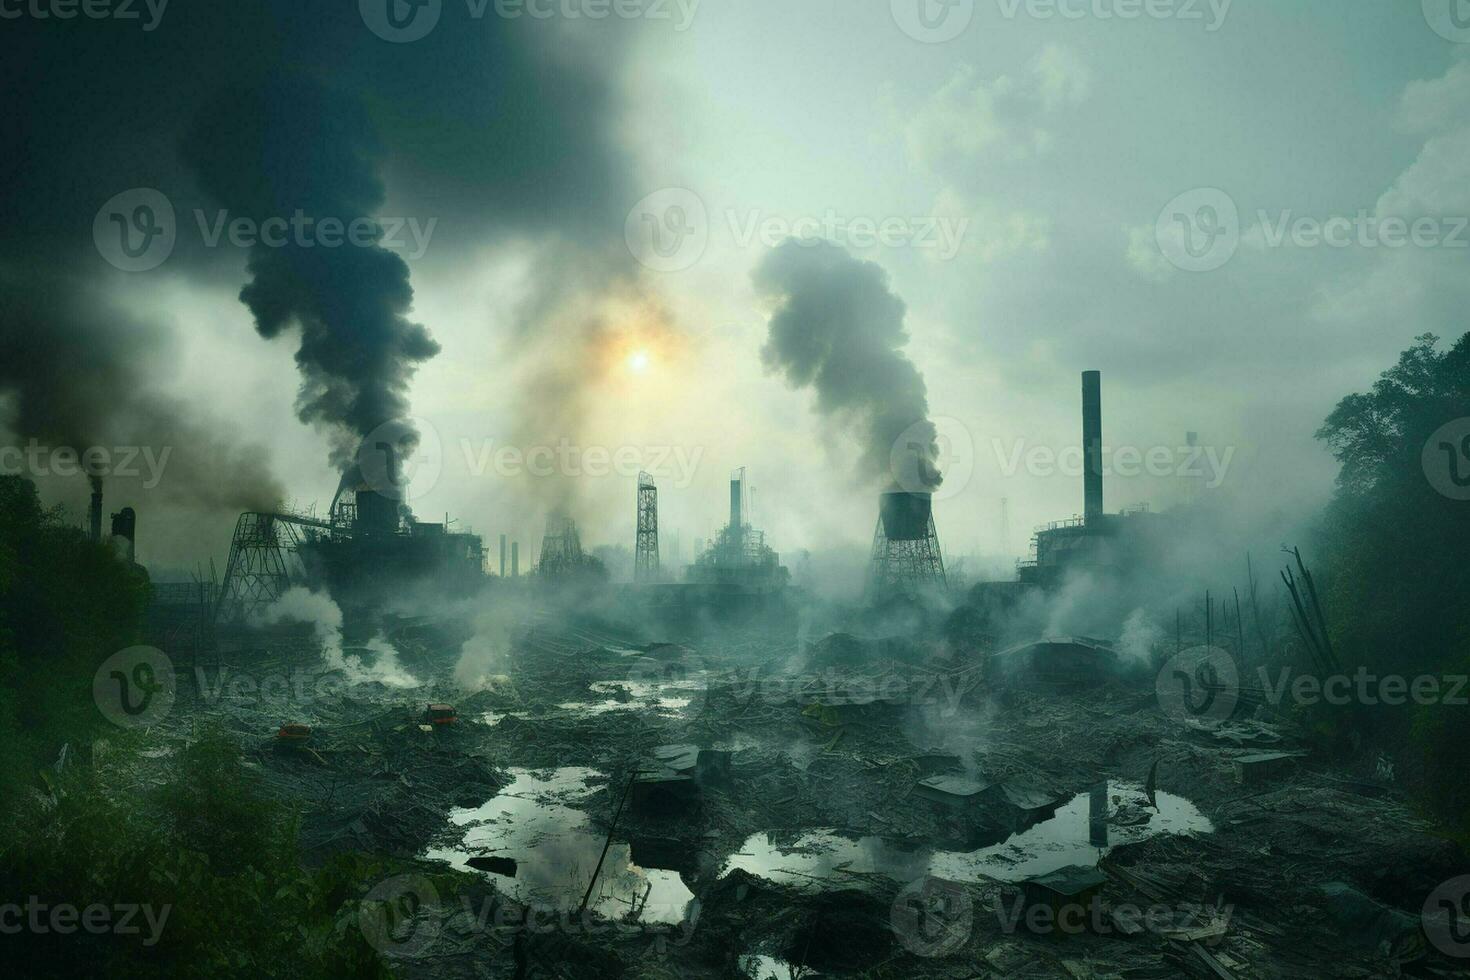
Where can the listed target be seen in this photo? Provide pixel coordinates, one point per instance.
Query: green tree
(1397, 579)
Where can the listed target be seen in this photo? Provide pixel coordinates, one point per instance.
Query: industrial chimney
(1092, 462)
(736, 479)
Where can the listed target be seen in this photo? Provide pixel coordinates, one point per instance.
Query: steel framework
(645, 558)
(906, 566)
(260, 569)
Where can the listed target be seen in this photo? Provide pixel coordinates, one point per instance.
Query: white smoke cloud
(302, 605)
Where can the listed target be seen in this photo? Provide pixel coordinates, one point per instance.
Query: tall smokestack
(94, 513)
(1092, 485)
(515, 559)
(735, 504)
(502, 556)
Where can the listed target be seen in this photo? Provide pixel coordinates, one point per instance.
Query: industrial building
(737, 573)
(366, 551)
(1097, 541)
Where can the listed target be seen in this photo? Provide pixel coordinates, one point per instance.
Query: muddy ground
(811, 849)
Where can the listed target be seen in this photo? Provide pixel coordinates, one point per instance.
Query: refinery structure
(370, 548)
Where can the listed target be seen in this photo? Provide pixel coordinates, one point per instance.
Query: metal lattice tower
(257, 574)
(645, 559)
(906, 557)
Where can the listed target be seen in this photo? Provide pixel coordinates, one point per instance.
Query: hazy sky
(1055, 186)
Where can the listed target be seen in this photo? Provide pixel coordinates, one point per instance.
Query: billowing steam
(301, 605)
(837, 328)
(293, 148)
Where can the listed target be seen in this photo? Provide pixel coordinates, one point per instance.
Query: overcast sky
(1055, 194)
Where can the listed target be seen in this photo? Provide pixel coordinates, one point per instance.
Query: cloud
(971, 122)
(1143, 254)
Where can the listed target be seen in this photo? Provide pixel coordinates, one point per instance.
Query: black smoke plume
(291, 148)
(837, 328)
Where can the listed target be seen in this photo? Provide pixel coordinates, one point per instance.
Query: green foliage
(66, 605)
(208, 852)
(1396, 582)
(226, 888)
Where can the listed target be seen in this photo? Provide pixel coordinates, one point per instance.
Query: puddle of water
(1067, 838)
(668, 696)
(557, 847)
(493, 718)
(764, 968)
